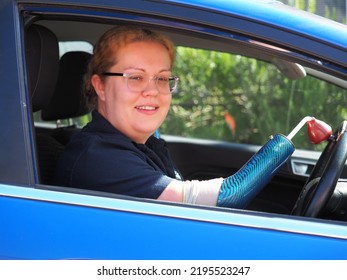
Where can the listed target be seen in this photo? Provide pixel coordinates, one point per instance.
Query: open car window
(234, 92)
(239, 98)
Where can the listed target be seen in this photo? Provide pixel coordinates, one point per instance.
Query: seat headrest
(42, 57)
(69, 100)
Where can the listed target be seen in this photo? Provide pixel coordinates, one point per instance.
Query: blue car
(248, 70)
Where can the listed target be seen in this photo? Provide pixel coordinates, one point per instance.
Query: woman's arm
(193, 192)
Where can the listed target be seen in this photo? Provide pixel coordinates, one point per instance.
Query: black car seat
(68, 100)
(42, 62)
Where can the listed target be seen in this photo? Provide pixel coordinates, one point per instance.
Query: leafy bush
(254, 93)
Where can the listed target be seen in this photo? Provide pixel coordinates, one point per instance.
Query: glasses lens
(139, 82)
(163, 84)
(136, 82)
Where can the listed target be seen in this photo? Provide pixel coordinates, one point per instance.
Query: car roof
(279, 15)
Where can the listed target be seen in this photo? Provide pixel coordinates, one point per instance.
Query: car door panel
(61, 225)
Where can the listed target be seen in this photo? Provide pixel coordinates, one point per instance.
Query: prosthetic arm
(239, 189)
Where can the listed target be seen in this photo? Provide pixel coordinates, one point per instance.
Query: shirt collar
(100, 124)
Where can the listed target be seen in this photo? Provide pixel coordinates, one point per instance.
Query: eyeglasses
(139, 82)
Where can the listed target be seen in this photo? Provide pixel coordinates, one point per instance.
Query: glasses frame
(127, 75)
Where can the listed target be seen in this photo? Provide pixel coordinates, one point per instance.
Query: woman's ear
(98, 85)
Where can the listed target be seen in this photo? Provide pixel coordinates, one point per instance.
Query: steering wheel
(322, 181)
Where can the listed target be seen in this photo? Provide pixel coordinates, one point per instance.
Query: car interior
(55, 88)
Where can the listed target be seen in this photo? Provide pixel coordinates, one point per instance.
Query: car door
(43, 221)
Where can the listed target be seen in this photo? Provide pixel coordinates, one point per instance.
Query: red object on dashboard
(318, 131)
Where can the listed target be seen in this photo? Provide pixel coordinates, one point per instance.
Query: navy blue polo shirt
(101, 158)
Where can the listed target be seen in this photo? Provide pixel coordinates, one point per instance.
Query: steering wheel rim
(323, 179)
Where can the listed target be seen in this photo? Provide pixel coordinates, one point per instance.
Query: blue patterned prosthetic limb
(239, 189)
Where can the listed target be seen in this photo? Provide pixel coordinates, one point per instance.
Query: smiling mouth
(147, 108)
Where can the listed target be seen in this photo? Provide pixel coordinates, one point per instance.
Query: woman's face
(136, 114)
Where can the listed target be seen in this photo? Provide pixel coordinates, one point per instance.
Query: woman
(129, 83)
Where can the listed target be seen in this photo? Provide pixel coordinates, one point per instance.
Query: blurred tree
(333, 9)
(256, 96)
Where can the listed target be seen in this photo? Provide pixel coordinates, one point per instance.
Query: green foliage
(325, 8)
(256, 94)
(312, 7)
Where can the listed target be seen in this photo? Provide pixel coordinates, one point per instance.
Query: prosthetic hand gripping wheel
(239, 189)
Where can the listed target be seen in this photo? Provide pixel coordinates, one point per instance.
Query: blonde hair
(105, 52)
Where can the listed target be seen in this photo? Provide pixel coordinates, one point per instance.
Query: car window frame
(30, 155)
